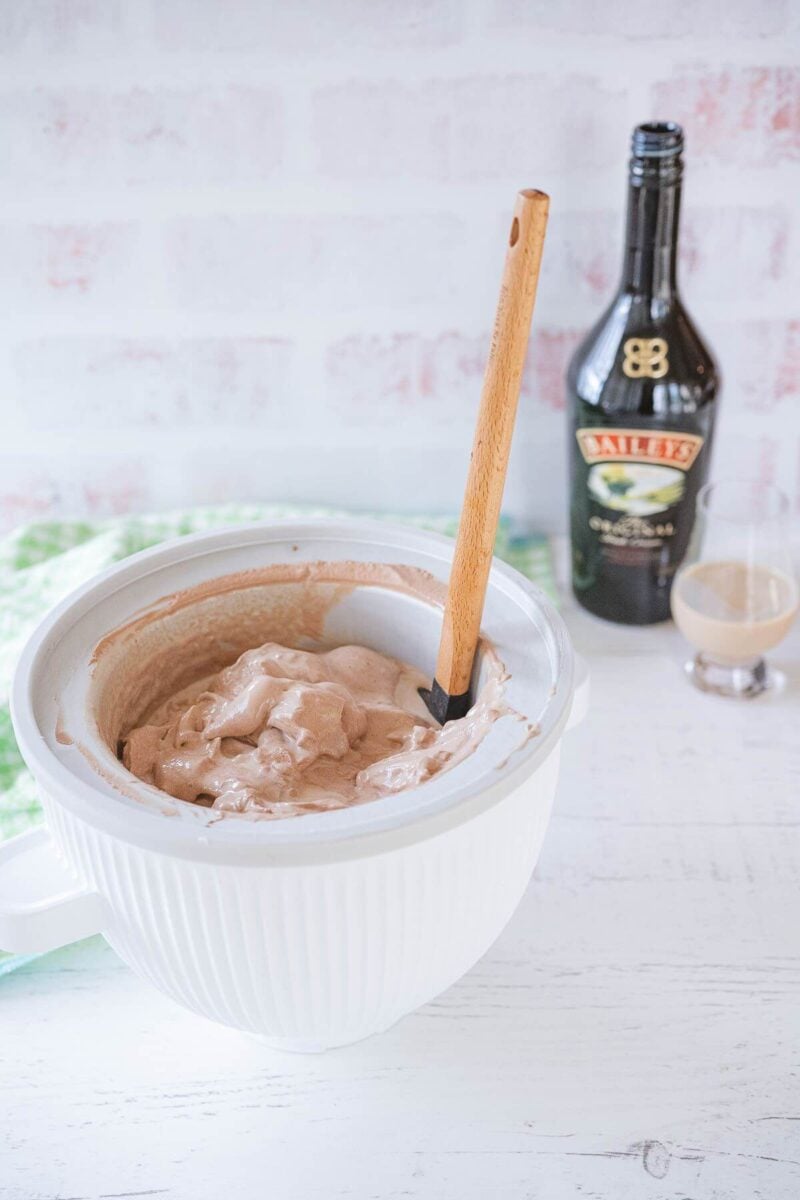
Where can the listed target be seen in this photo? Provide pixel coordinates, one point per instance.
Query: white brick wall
(251, 249)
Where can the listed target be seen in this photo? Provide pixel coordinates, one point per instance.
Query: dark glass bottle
(642, 393)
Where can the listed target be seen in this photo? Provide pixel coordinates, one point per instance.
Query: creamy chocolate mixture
(282, 732)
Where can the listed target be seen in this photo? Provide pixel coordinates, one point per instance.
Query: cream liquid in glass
(736, 595)
(732, 611)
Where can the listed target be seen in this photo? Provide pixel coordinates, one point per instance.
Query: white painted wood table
(635, 1032)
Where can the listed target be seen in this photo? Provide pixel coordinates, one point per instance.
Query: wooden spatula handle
(487, 470)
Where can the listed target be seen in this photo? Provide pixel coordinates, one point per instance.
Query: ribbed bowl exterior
(317, 955)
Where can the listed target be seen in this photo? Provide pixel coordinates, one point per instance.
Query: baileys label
(632, 445)
(637, 476)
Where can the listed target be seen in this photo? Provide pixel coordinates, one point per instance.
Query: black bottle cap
(657, 154)
(657, 139)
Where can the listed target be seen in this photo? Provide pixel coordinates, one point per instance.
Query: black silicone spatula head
(449, 696)
(443, 706)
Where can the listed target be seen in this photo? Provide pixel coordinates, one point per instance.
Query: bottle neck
(651, 238)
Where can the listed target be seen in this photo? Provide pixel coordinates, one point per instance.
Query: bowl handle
(580, 696)
(42, 905)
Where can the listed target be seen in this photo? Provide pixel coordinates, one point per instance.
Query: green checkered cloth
(43, 562)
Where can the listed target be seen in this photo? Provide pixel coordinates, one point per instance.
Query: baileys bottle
(642, 391)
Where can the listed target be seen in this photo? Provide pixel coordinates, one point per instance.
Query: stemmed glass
(735, 596)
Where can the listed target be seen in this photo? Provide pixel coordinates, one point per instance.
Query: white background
(251, 250)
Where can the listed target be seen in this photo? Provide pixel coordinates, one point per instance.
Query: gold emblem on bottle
(645, 358)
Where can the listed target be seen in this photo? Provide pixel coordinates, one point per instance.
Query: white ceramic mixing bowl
(312, 931)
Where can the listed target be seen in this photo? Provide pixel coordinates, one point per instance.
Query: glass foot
(745, 680)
